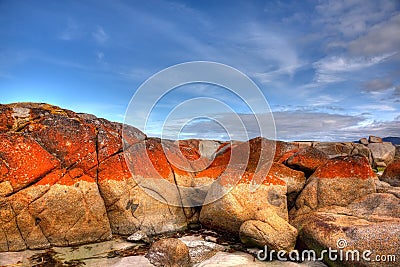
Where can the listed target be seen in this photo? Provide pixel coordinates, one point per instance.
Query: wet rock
(169, 252)
(391, 175)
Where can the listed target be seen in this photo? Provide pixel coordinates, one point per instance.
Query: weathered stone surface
(169, 252)
(63, 208)
(307, 159)
(131, 208)
(370, 223)
(48, 175)
(22, 162)
(391, 175)
(339, 181)
(363, 141)
(334, 149)
(295, 181)
(242, 202)
(374, 139)
(269, 230)
(382, 153)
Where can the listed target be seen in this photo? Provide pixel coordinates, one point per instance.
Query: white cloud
(381, 38)
(352, 18)
(290, 126)
(100, 35)
(330, 69)
(100, 56)
(376, 107)
(72, 31)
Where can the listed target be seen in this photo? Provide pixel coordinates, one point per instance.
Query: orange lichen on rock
(64, 177)
(234, 176)
(147, 159)
(287, 155)
(23, 160)
(74, 176)
(70, 140)
(346, 167)
(190, 149)
(114, 168)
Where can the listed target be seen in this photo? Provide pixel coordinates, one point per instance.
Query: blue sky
(330, 70)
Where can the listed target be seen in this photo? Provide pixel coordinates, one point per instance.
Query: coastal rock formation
(340, 209)
(339, 181)
(68, 179)
(382, 153)
(391, 175)
(307, 159)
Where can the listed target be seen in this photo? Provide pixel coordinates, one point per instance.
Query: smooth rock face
(339, 207)
(269, 230)
(382, 153)
(129, 207)
(169, 252)
(391, 175)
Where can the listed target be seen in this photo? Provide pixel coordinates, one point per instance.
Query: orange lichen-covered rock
(228, 207)
(339, 181)
(71, 140)
(23, 161)
(346, 167)
(142, 196)
(49, 165)
(391, 174)
(307, 159)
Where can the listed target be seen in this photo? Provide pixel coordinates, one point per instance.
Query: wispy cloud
(100, 35)
(381, 38)
(71, 32)
(290, 126)
(331, 69)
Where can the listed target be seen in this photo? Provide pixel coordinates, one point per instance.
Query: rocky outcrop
(339, 181)
(64, 179)
(374, 139)
(382, 153)
(68, 179)
(307, 159)
(340, 209)
(391, 174)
